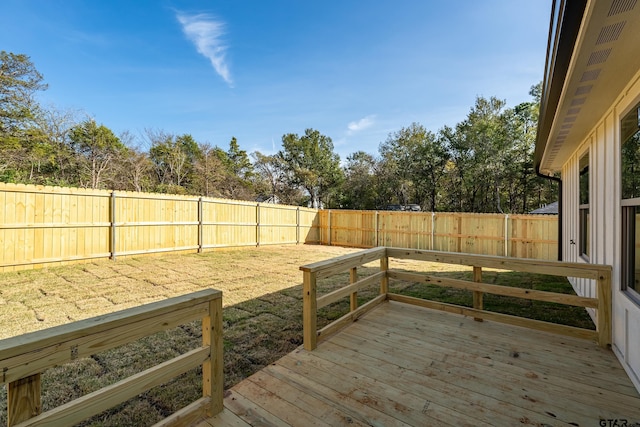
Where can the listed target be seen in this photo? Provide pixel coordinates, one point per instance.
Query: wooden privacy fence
(53, 225)
(43, 225)
(520, 236)
(601, 274)
(24, 358)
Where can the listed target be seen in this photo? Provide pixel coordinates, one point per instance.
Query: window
(630, 191)
(585, 218)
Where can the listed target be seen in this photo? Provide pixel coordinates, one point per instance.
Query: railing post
(212, 368)
(353, 278)
(603, 326)
(384, 280)
(477, 295)
(309, 311)
(23, 399)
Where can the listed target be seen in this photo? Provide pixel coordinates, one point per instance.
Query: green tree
(19, 81)
(415, 159)
(237, 183)
(479, 148)
(210, 172)
(53, 153)
(272, 179)
(239, 162)
(174, 159)
(98, 148)
(360, 187)
(311, 164)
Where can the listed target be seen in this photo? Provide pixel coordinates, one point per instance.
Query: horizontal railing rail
(23, 359)
(601, 274)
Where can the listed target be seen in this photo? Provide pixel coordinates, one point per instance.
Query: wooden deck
(406, 365)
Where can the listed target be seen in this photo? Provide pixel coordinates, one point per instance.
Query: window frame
(629, 209)
(584, 207)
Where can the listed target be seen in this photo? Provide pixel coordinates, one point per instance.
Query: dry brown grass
(262, 300)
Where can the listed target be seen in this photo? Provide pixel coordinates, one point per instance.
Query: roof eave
(565, 22)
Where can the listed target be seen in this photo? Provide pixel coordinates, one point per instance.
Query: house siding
(603, 145)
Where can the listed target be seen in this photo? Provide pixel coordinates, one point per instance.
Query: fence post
(309, 311)
(506, 235)
(298, 225)
(200, 231)
(257, 224)
(459, 233)
(433, 231)
(477, 295)
(377, 225)
(353, 278)
(603, 326)
(329, 227)
(112, 228)
(212, 368)
(23, 399)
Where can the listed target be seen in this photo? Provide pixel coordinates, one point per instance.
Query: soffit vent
(621, 6)
(573, 111)
(590, 75)
(583, 90)
(610, 33)
(598, 57)
(578, 101)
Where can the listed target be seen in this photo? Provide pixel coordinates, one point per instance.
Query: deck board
(404, 365)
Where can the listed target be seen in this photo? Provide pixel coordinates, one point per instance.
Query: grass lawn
(262, 298)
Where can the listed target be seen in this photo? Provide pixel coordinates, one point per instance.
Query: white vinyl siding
(603, 146)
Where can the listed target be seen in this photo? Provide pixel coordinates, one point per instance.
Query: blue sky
(355, 70)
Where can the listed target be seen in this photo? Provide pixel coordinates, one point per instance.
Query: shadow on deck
(406, 365)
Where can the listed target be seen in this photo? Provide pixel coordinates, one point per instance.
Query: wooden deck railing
(311, 302)
(24, 358)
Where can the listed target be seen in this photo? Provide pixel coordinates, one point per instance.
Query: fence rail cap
(14, 346)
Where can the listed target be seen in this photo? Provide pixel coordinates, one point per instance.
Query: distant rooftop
(550, 209)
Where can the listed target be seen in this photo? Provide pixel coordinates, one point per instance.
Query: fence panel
(533, 236)
(521, 236)
(42, 225)
(278, 224)
(52, 225)
(309, 230)
(154, 223)
(404, 229)
(230, 223)
(353, 228)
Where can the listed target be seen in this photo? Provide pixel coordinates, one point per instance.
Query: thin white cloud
(206, 34)
(361, 124)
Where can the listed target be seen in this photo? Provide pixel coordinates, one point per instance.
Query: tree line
(482, 164)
